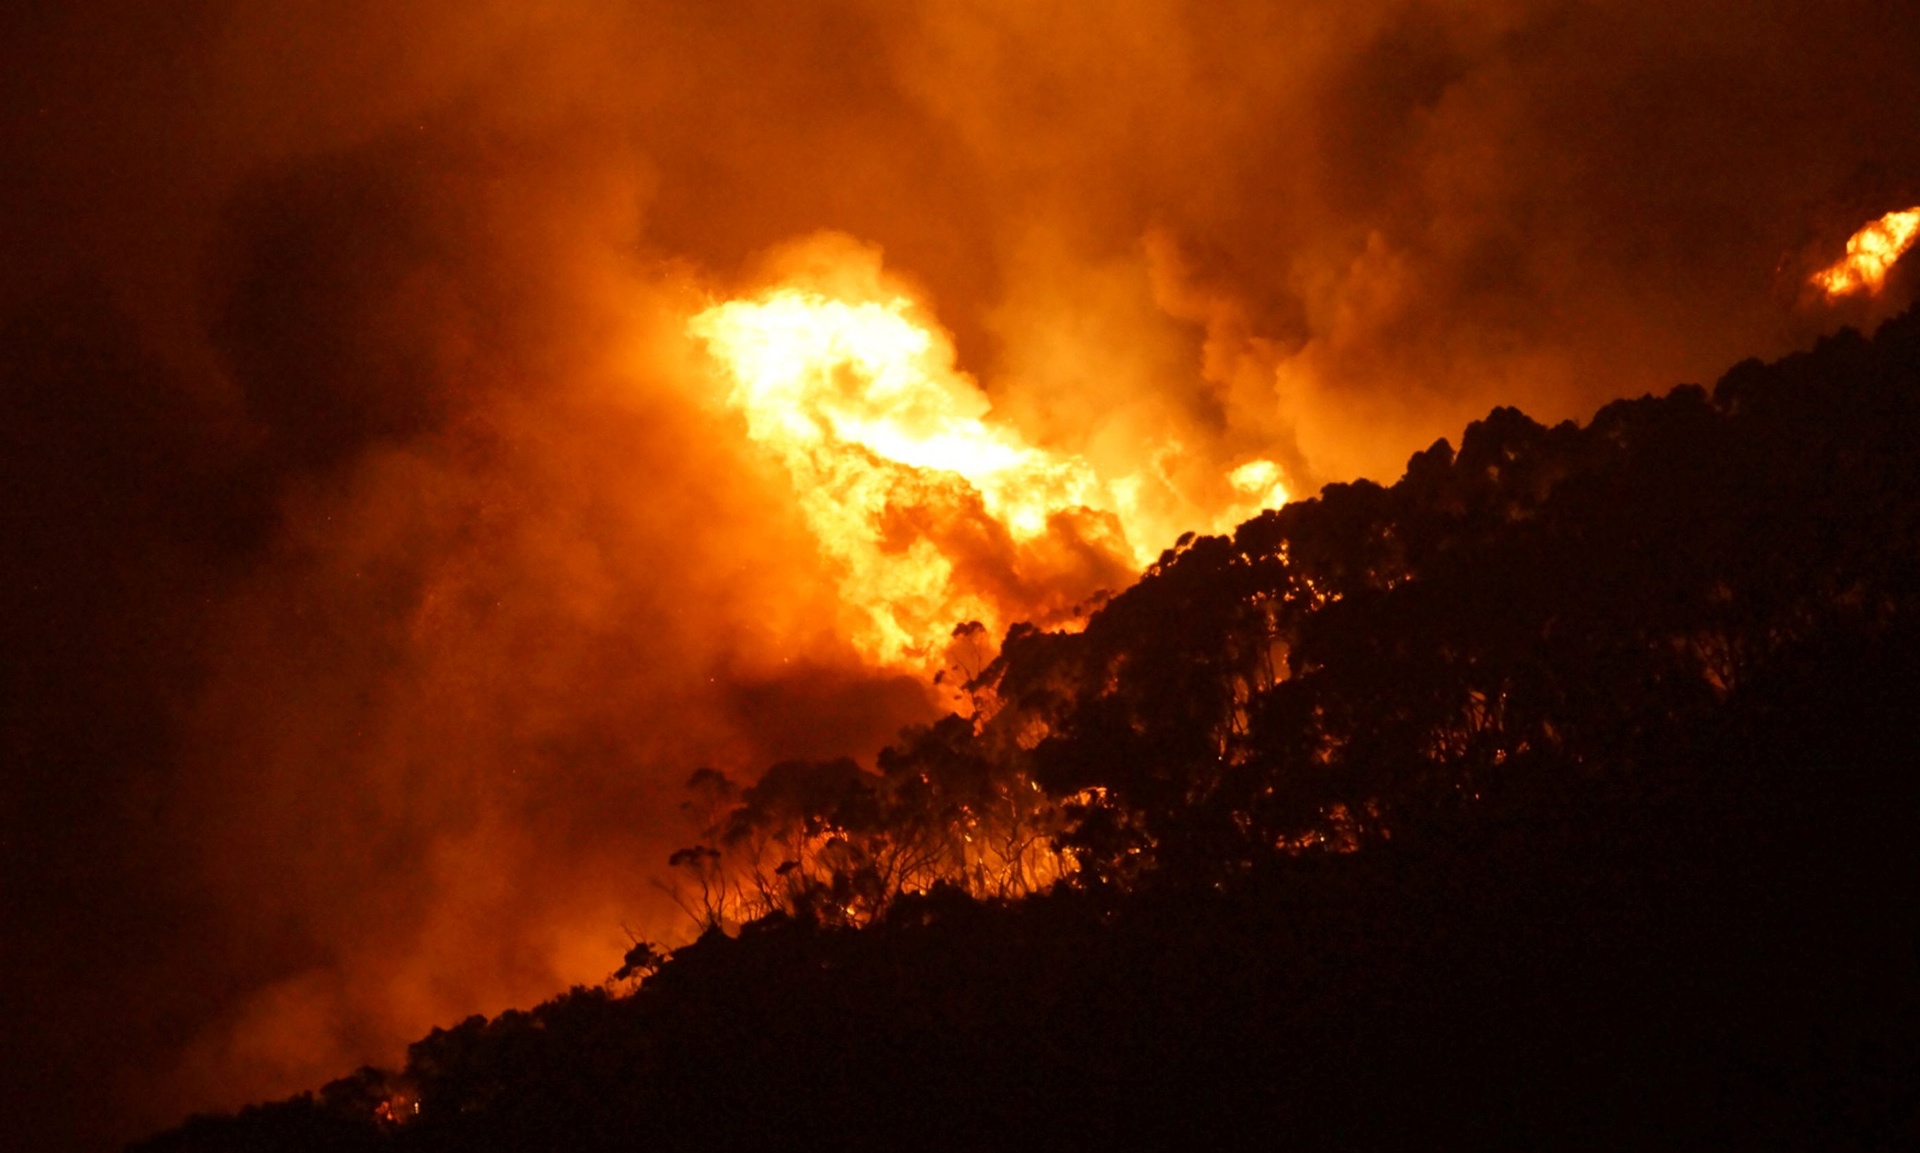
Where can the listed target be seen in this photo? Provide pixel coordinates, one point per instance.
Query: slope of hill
(1559, 795)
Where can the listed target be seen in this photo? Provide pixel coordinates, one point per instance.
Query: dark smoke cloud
(381, 556)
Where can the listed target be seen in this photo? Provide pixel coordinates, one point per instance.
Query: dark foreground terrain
(1562, 795)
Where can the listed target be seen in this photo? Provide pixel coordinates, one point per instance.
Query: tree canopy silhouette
(1558, 794)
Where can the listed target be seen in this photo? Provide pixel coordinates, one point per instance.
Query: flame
(1871, 253)
(400, 1106)
(1260, 480)
(889, 444)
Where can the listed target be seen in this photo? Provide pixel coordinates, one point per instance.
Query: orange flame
(1871, 253)
(863, 404)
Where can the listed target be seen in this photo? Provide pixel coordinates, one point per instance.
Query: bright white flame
(813, 370)
(1260, 480)
(863, 404)
(1871, 254)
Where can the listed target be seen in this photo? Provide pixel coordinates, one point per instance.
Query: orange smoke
(385, 551)
(1871, 254)
(891, 448)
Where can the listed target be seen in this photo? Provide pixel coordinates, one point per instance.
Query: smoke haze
(384, 555)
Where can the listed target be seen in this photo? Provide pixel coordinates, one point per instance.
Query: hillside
(1559, 795)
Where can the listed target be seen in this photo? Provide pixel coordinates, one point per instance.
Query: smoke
(388, 556)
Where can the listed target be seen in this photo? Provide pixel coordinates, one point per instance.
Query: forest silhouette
(1559, 795)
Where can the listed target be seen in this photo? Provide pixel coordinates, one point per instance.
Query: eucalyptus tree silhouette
(1557, 795)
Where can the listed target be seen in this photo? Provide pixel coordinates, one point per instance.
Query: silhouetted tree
(1558, 795)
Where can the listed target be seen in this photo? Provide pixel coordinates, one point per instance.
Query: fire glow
(1871, 254)
(887, 442)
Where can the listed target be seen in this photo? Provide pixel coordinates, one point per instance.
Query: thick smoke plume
(384, 557)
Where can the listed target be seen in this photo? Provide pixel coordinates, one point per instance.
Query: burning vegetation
(435, 430)
(1477, 803)
(1871, 255)
(933, 514)
(1229, 706)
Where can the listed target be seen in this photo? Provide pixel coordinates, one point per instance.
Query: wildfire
(1260, 480)
(1871, 253)
(399, 1108)
(904, 477)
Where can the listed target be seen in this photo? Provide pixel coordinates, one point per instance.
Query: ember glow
(384, 524)
(1871, 254)
(891, 448)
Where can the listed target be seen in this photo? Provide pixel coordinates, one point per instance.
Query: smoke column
(386, 553)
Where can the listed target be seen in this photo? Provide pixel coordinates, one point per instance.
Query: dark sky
(378, 558)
